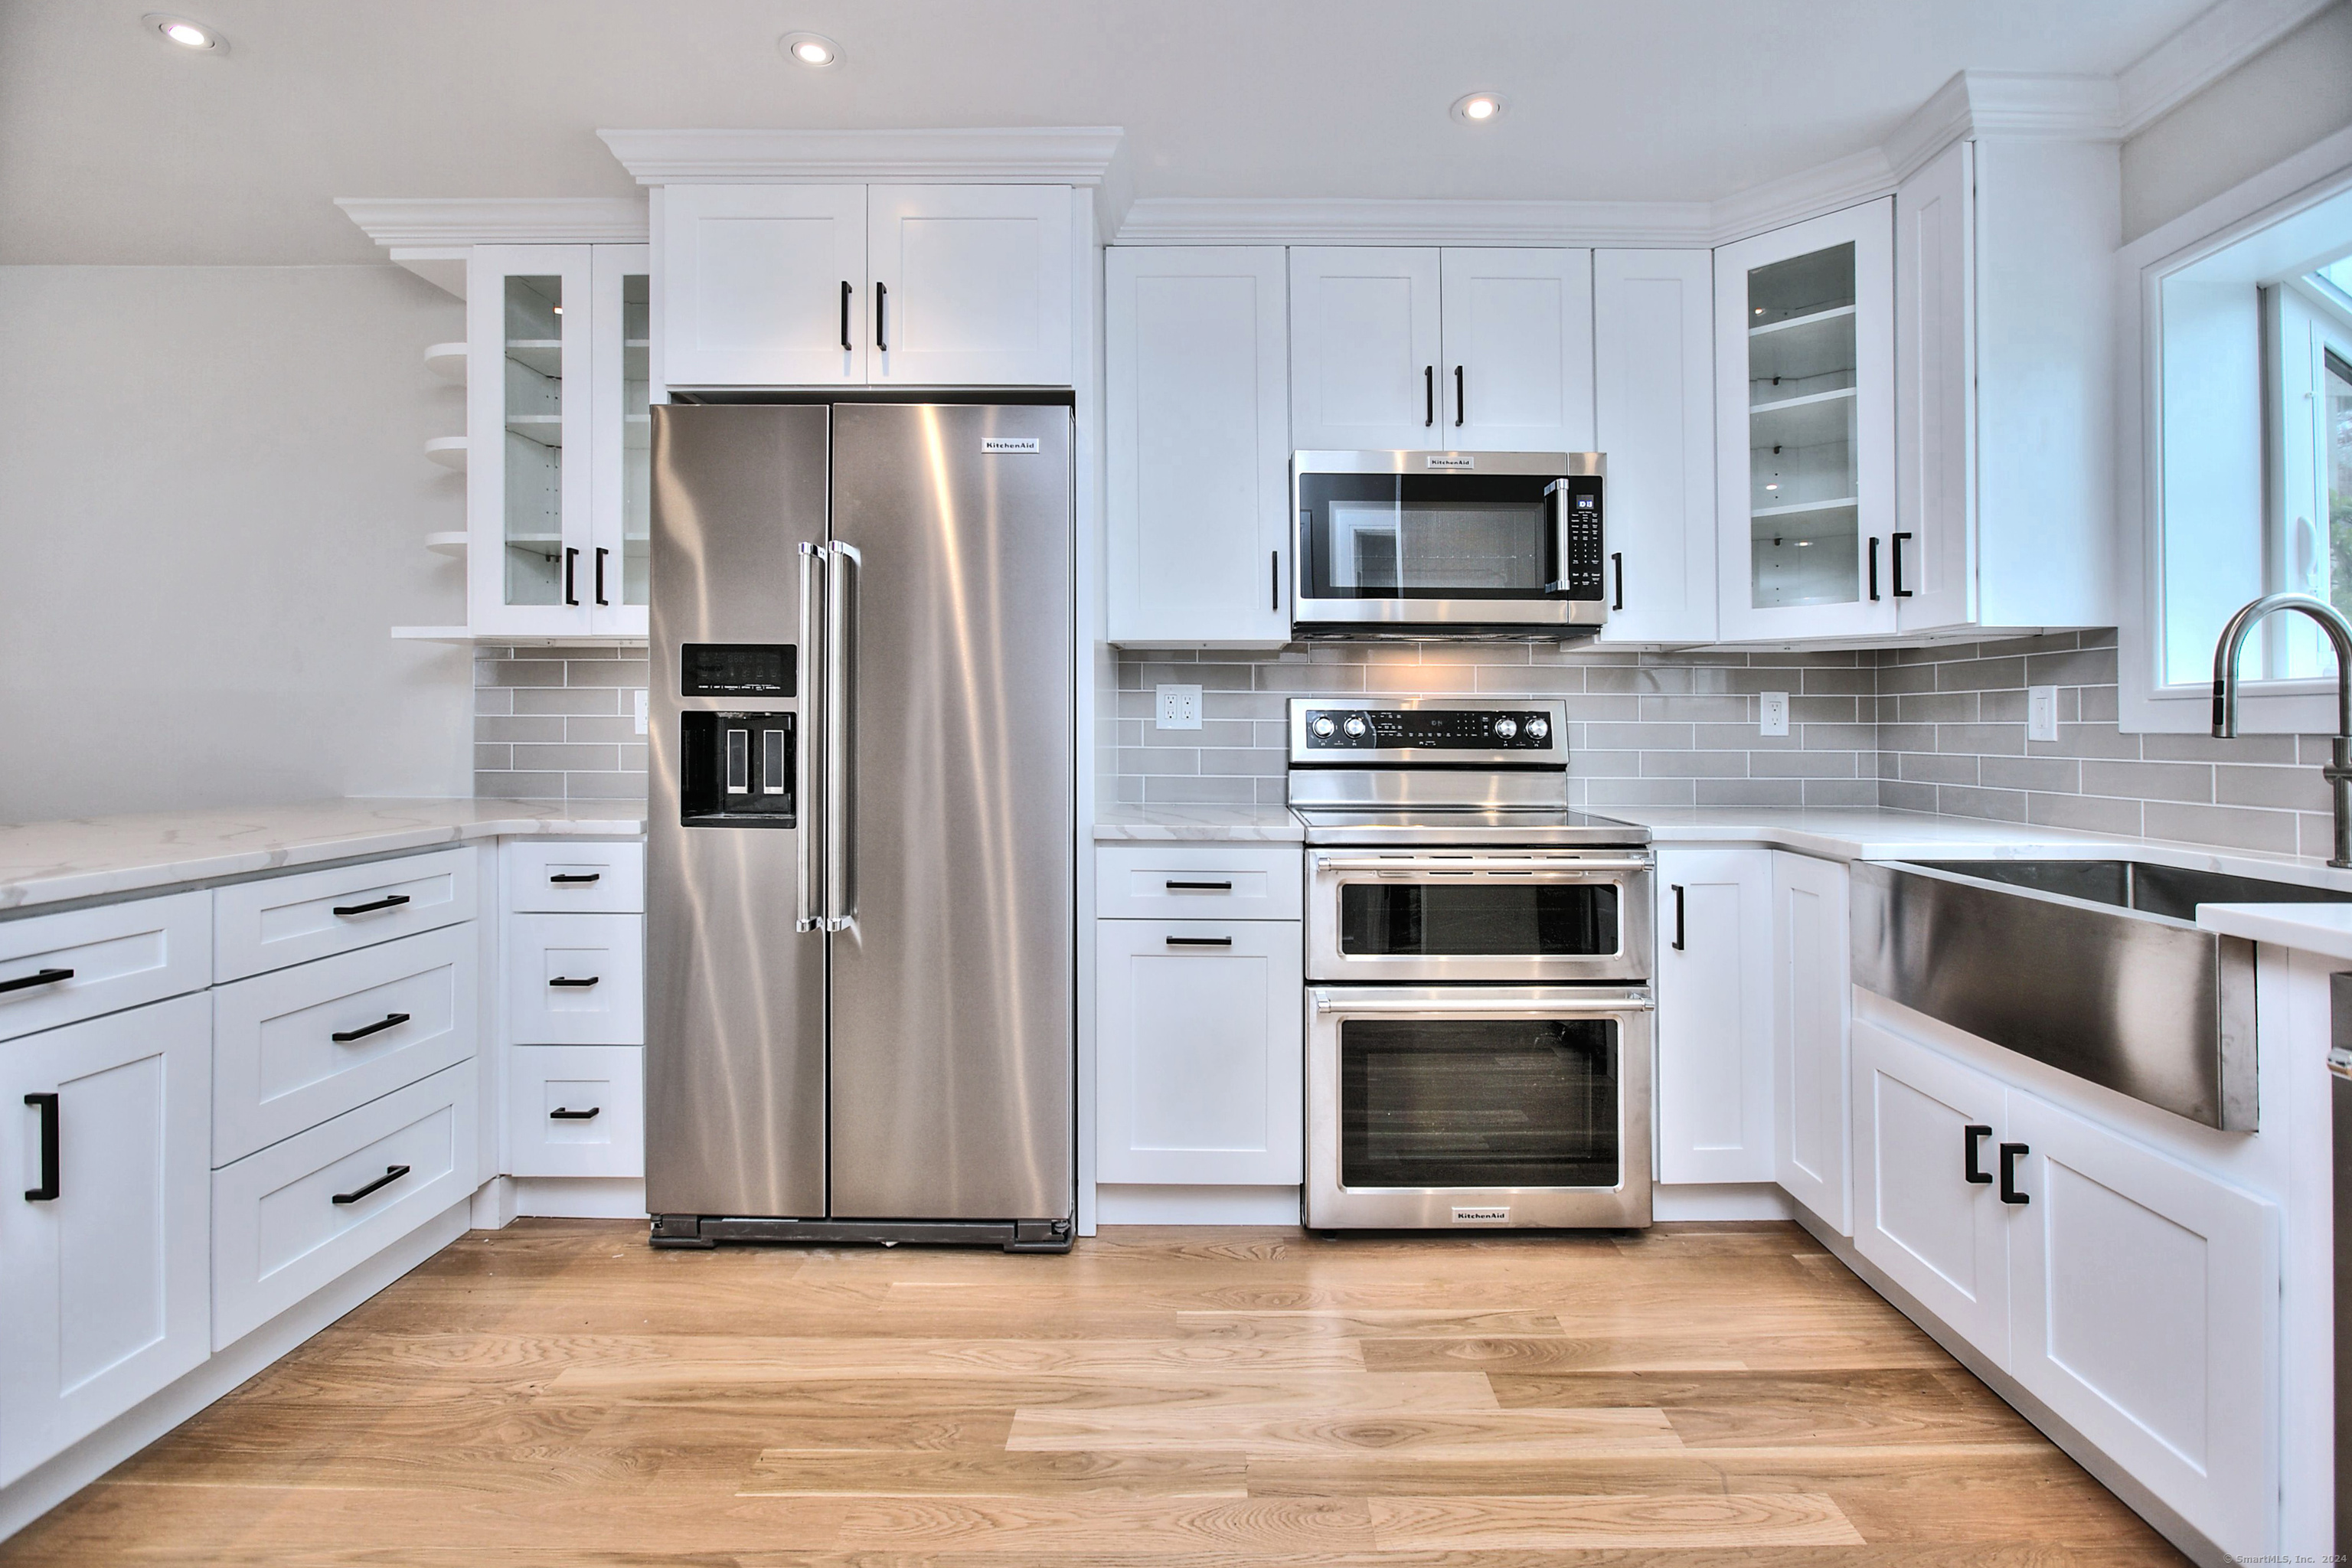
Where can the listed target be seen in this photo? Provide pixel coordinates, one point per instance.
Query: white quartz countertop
(1859, 833)
(2323, 929)
(1160, 824)
(48, 862)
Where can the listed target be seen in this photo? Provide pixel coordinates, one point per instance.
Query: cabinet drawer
(576, 980)
(575, 1111)
(268, 924)
(87, 962)
(279, 1231)
(547, 876)
(293, 1048)
(1198, 881)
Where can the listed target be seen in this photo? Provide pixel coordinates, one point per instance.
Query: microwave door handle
(1555, 503)
(808, 867)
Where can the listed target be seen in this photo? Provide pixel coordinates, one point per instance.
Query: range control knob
(1505, 727)
(1538, 729)
(1355, 726)
(1323, 726)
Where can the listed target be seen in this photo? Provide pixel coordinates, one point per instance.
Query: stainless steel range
(1478, 1011)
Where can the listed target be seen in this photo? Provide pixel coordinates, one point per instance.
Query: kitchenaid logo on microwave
(1452, 460)
(1483, 1216)
(1008, 443)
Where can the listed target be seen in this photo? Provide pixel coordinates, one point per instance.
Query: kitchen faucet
(2338, 770)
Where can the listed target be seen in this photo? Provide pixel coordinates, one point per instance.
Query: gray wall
(213, 499)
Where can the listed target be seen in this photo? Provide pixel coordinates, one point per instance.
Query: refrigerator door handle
(843, 566)
(810, 879)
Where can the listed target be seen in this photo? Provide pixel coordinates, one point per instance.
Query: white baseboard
(579, 1198)
(1724, 1200)
(45, 1485)
(494, 1204)
(1196, 1205)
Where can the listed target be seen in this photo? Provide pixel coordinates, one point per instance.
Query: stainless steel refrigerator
(861, 857)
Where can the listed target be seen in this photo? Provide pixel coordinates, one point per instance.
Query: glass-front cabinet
(557, 432)
(1805, 429)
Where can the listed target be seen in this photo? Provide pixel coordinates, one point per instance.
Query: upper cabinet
(851, 284)
(1804, 369)
(1653, 382)
(1465, 350)
(1199, 445)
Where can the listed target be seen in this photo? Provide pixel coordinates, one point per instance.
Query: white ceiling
(116, 148)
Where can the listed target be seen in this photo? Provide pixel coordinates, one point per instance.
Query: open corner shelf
(451, 543)
(446, 361)
(449, 451)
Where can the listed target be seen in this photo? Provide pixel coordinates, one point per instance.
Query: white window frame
(2320, 173)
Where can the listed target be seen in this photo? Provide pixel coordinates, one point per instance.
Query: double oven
(1478, 1008)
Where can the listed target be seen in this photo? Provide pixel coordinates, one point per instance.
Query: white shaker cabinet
(1812, 1007)
(764, 286)
(1199, 445)
(1516, 328)
(1364, 348)
(104, 1294)
(971, 284)
(1653, 395)
(1715, 1014)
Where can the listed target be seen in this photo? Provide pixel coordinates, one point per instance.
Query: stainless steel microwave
(1447, 544)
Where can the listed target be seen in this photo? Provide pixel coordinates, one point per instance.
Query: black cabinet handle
(845, 315)
(47, 1104)
(1461, 408)
(390, 1174)
(881, 305)
(1617, 559)
(575, 876)
(1200, 942)
(575, 984)
(1201, 887)
(39, 977)
(1973, 1139)
(570, 569)
(1873, 568)
(561, 1114)
(1429, 394)
(2010, 1153)
(1678, 915)
(1900, 591)
(390, 1021)
(1273, 579)
(601, 554)
(389, 901)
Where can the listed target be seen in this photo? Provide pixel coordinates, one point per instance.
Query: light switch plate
(2040, 713)
(1774, 713)
(639, 708)
(1180, 708)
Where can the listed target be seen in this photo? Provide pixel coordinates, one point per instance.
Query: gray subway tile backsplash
(559, 723)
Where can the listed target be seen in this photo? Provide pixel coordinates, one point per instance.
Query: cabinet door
(1198, 444)
(1804, 364)
(755, 281)
(1917, 1215)
(1932, 552)
(1812, 1005)
(621, 438)
(103, 1286)
(1364, 348)
(971, 284)
(1518, 340)
(1715, 1014)
(1653, 395)
(528, 469)
(2146, 1309)
(1197, 1043)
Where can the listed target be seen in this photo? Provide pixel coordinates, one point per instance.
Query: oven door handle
(1477, 863)
(1470, 1007)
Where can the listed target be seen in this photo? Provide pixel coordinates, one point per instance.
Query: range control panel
(1427, 730)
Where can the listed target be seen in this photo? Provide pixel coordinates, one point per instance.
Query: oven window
(1479, 918)
(1453, 536)
(1478, 1102)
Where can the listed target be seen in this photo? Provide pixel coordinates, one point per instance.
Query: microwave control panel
(1579, 503)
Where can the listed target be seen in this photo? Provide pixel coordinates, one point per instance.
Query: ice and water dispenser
(737, 767)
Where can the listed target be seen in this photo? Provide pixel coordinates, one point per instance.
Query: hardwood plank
(1031, 1527)
(1753, 1409)
(1879, 1469)
(980, 1473)
(1257, 1429)
(750, 1390)
(1721, 1521)
(1676, 1353)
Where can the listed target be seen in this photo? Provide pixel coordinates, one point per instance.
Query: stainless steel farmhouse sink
(2093, 967)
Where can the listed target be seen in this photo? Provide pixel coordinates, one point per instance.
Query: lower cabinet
(576, 979)
(1714, 979)
(1813, 1002)
(1198, 1043)
(102, 1265)
(575, 1111)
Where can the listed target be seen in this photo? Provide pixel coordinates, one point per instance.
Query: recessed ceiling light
(1478, 108)
(810, 48)
(187, 35)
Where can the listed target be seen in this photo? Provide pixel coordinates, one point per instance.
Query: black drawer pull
(1200, 942)
(2010, 1153)
(39, 977)
(390, 1174)
(1973, 1139)
(389, 1021)
(576, 877)
(561, 1114)
(1175, 887)
(47, 1104)
(575, 984)
(1678, 916)
(389, 901)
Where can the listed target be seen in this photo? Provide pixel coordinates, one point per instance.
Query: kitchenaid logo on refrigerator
(1008, 443)
(1454, 460)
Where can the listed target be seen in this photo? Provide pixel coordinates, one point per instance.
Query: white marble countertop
(48, 862)
(1858, 833)
(2323, 929)
(1160, 824)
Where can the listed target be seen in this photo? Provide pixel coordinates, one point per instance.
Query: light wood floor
(557, 1393)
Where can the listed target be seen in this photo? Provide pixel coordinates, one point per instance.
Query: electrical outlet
(2040, 713)
(1774, 711)
(1180, 708)
(640, 709)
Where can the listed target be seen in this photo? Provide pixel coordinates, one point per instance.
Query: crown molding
(1258, 220)
(1809, 193)
(1036, 155)
(436, 223)
(2019, 104)
(2213, 43)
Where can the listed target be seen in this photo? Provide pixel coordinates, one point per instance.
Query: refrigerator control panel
(735, 670)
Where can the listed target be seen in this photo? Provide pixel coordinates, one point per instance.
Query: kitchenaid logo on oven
(1454, 460)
